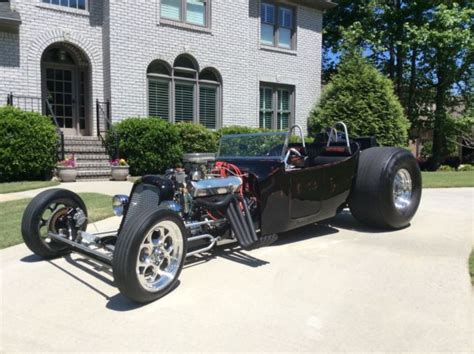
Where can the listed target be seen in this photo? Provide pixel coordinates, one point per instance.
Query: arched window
(159, 79)
(182, 94)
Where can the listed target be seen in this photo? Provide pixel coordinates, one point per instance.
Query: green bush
(466, 168)
(196, 138)
(446, 168)
(237, 129)
(150, 145)
(363, 98)
(28, 145)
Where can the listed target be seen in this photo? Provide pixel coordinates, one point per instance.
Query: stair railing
(34, 104)
(112, 144)
(59, 132)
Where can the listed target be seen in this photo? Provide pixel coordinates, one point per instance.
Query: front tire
(47, 212)
(387, 190)
(149, 255)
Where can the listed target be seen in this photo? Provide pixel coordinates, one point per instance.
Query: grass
(448, 179)
(25, 186)
(99, 207)
(471, 266)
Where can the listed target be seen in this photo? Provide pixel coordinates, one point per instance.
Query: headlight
(119, 203)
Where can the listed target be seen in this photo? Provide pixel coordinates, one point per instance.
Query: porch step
(92, 160)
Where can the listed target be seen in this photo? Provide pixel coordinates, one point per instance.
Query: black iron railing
(105, 129)
(35, 104)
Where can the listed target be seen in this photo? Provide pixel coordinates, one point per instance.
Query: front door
(65, 91)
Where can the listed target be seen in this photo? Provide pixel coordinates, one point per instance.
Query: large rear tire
(47, 212)
(149, 255)
(387, 190)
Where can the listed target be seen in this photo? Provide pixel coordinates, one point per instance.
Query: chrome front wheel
(402, 189)
(161, 252)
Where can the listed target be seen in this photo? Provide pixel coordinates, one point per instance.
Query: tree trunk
(439, 139)
(412, 85)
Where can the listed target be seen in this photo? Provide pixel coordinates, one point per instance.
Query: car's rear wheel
(51, 211)
(387, 189)
(149, 255)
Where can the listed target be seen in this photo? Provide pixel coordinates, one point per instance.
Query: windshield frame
(279, 158)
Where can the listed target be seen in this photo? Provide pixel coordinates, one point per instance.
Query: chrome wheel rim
(52, 220)
(159, 256)
(402, 189)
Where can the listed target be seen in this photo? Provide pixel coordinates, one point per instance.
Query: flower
(68, 162)
(118, 162)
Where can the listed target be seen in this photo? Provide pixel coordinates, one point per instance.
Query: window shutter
(171, 9)
(184, 102)
(283, 117)
(158, 98)
(266, 111)
(208, 106)
(196, 12)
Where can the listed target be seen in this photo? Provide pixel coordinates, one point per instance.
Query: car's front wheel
(387, 189)
(149, 255)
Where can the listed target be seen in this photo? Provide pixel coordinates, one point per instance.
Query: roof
(8, 18)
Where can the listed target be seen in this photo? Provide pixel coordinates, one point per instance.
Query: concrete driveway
(334, 287)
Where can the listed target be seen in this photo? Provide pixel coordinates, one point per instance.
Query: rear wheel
(387, 190)
(149, 255)
(54, 210)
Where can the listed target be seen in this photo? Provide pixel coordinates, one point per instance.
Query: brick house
(216, 62)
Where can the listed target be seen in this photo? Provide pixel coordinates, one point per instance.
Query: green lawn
(24, 186)
(448, 179)
(99, 206)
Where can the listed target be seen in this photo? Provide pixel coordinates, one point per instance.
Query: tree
(424, 46)
(363, 98)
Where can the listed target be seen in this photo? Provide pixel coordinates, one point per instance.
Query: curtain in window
(208, 106)
(283, 116)
(158, 98)
(184, 102)
(196, 12)
(171, 9)
(266, 111)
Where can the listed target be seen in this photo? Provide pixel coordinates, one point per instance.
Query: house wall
(231, 46)
(121, 38)
(43, 25)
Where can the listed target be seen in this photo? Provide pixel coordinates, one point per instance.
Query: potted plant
(120, 169)
(66, 169)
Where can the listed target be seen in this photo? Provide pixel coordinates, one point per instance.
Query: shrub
(446, 168)
(196, 138)
(363, 98)
(466, 168)
(237, 129)
(150, 145)
(28, 145)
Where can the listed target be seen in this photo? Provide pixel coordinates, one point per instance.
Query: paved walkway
(334, 287)
(104, 187)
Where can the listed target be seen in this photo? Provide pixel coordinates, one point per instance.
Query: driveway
(333, 287)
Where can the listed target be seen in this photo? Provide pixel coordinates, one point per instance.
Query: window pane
(266, 36)
(265, 120)
(184, 102)
(284, 38)
(158, 99)
(282, 122)
(268, 13)
(81, 4)
(283, 116)
(286, 17)
(171, 9)
(208, 107)
(196, 12)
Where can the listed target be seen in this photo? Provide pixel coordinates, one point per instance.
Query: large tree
(424, 46)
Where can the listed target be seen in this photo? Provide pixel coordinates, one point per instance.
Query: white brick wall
(121, 38)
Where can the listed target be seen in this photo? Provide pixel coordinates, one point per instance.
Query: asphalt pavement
(334, 287)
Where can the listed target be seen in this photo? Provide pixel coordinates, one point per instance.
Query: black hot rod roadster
(259, 185)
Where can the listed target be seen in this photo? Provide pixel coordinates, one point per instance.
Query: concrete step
(90, 149)
(81, 138)
(92, 165)
(84, 156)
(93, 174)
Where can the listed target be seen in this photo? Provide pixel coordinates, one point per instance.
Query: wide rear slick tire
(41, 215)
(387, 190)
(149, 255)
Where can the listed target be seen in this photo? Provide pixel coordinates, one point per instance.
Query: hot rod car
(257, 186)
